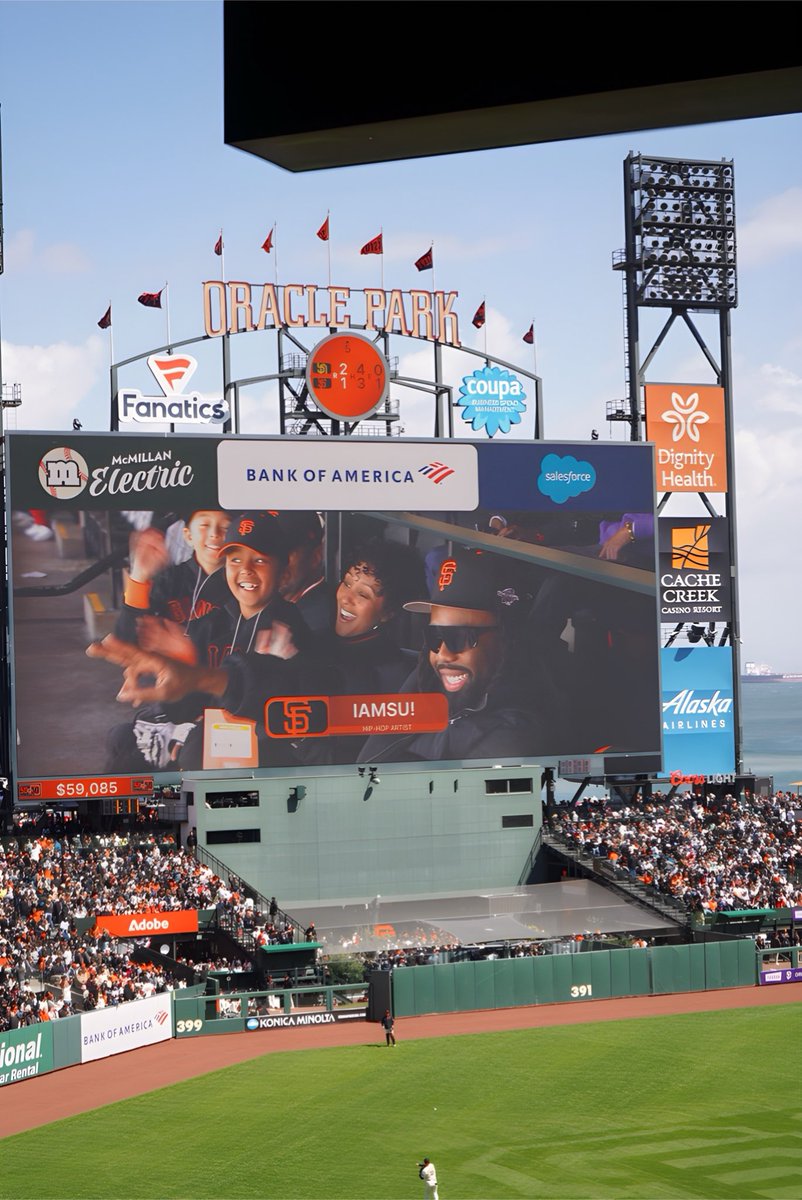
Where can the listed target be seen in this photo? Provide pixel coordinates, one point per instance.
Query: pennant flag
(267, 244)
(218, 246)
(105, 320)
(151, 299)
(374, 246)
(426, 261)
(479, 316)
(323, 232)
(529, 336)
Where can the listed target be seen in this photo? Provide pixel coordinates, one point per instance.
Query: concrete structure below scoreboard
(334, 835)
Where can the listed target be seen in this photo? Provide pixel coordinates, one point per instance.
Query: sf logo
(447, 572)
(296, 717)
(245, 526)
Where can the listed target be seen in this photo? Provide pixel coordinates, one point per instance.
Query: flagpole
(222, 256)
(167, 311)
(381, 256)
(275, 250)
(328, 243)
(434, 285)
(534, 348)
(484, 327)
(111, 339)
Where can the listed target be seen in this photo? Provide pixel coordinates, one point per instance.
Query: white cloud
(779, 390)
(59, 258)
(774, 229)
(55, 379)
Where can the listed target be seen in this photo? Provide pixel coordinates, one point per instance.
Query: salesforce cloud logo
(563, 478)
(492, 399)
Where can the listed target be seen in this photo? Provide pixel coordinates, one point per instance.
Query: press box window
(518, 821)
(507, 787)
(232, 799)
(225, 837)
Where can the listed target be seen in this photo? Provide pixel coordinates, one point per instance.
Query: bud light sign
(492, 399)
(698, 717)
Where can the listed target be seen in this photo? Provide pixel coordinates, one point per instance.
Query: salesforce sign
(492, 399)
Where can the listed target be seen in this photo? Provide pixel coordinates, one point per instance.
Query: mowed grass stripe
(607, 1110)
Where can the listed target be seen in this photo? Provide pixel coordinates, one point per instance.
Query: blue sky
(116, 179)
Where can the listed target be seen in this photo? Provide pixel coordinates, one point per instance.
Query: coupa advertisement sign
(686, 424)
(147, 924)
(694, 569)
(698, 717)
(472, 603)
(492, 400)
(108, 1031)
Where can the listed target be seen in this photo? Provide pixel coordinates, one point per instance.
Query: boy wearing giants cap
(467, 657)
(254, 619)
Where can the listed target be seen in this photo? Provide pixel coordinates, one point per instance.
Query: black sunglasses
(456, 637)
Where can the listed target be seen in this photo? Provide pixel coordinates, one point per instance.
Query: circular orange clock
(347, 376)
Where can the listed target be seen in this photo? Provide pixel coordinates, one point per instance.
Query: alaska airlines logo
(686, 702)
(686, 416)
(436, 471)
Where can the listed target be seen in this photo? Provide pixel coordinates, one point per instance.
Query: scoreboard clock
(348, 376)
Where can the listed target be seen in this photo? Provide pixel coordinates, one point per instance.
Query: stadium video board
(212, 603)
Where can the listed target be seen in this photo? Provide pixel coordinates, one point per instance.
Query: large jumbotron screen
(274, 603)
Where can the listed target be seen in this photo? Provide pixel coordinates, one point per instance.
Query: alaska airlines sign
(236, 307)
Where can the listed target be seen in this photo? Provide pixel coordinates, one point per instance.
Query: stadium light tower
(680, 255)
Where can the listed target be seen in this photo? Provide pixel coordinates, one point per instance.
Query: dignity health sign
(698, 716)
(687, 425)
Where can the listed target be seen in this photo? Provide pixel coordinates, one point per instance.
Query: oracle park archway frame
(417, 317)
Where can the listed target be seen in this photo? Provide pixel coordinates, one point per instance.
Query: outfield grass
(702, 1105)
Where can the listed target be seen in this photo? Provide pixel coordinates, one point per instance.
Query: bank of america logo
(690, 549)
(436, 471)
(161, 1017)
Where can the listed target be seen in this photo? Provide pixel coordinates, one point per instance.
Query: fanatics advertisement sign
(686, 424)
(698, 719)
(109, 1031)
(695, 579)
(312, 602)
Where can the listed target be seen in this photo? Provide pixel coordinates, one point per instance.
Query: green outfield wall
(558, 978)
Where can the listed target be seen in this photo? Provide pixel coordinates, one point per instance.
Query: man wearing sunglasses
(466, 657)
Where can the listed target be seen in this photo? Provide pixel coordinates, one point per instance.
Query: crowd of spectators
(712, 854)
(53, 961)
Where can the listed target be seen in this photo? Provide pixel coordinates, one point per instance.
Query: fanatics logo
(172, 371)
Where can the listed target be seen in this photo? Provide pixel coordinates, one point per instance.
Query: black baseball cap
(300, 528)
(465, 579)
(258, 531)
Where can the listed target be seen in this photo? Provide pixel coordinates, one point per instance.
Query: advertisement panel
(143, 924)
(25, 1052)
(274, 602)
(698, 718)
(686, 423)
(695, 581)
(139, 1023)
